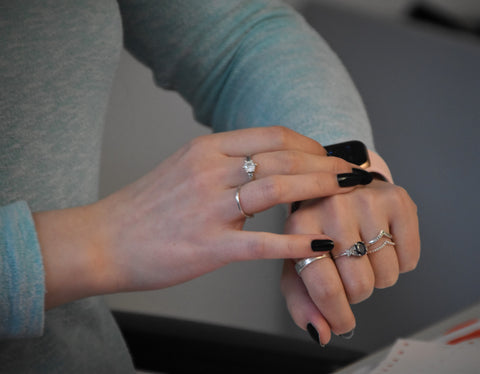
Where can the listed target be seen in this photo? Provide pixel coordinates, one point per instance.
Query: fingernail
(295, 206)
(358, 176)
(348, 335)
(312, 331)
(365, 175)
(322, 245)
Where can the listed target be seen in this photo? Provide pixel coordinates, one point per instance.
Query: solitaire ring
(302, 264)
(358, 250)
(239, 205)
(249, 166)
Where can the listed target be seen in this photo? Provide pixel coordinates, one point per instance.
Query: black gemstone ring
(359, 249)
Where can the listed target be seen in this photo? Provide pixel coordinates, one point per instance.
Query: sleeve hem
(22, 279)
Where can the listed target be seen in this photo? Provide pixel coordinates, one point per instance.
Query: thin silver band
(384, 244)
(237, 199)
(381, 234)
(302, 264)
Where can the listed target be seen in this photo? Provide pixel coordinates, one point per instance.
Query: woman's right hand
(181, 220)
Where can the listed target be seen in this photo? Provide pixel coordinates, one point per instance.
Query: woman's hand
(182, 220)
(322, 294)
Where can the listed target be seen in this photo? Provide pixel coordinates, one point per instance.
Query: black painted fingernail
(358, 176)
(365, 175)
(295, 206)
(322, 245)
(312, 331)
(348, 335)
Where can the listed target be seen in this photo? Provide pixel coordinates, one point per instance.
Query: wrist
(378, 167)
(72, 249)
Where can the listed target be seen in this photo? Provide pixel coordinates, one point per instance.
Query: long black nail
(365, 175)
(322, 245)
(348, 335)
(358, 176)
(312, 331)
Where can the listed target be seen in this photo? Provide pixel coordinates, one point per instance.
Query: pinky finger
(302, 309)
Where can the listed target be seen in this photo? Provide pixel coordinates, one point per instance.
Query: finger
(322, 280)
(253, 245)
(325, 288)
(265, 193)
(251, 141)
(282, 163)
(382, 254)
(301, 307)
(404, 228)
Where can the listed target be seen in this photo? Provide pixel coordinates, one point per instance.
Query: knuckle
(271, 189)
(401, 197)
(280, 135)
(328, 291)
(256, 248)
(291, 162)
(359, 290)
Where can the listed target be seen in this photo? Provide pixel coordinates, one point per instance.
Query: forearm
(247, 64)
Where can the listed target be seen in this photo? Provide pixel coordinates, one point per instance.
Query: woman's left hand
(319, 299)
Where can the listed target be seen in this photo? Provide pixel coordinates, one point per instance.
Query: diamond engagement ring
(358, 250)
(249, 166)
(302, 264)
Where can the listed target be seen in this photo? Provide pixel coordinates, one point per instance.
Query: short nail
(348, 335)
(322, 245)
(358, 176)
(312, 331)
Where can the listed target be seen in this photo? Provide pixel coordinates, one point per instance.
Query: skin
(181, 220)
(326, 288)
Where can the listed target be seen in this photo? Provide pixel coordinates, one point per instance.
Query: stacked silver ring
(386, 242)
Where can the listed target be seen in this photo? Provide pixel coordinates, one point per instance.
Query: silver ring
(386, 242)
(380, 235)
(249, 166)
(358, 250)
(237, 199)
(302, 264)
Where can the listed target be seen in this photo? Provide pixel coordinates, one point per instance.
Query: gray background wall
(420, 86)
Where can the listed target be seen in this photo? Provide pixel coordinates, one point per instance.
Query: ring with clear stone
(249, 166)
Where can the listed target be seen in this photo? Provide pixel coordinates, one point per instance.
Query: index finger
(251, 141)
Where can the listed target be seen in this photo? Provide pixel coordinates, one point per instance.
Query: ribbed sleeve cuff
(22, 280)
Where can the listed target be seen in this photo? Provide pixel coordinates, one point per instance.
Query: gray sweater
(238, 63)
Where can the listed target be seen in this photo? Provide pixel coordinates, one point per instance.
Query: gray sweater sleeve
(247, 64)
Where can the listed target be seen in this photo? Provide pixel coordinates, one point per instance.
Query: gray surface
(421, 89)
